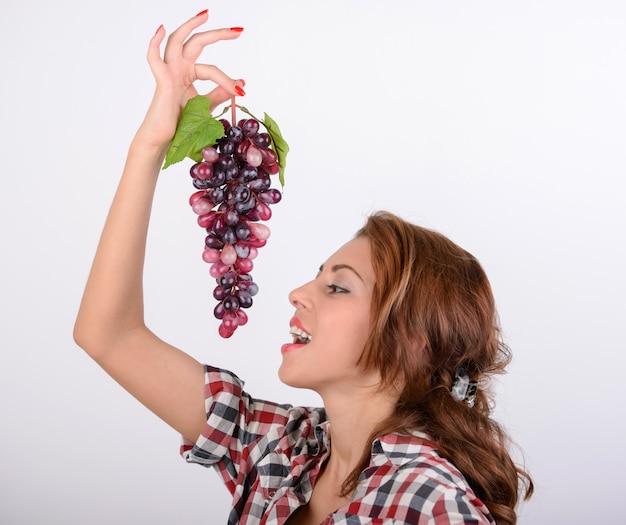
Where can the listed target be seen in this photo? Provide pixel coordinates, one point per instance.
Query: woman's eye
(333, 288)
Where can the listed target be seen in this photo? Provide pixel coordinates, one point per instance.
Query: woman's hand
(175, 74)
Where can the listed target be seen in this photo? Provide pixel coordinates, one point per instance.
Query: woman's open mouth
(299, 335)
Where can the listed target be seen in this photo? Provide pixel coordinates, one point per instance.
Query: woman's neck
(353, 416)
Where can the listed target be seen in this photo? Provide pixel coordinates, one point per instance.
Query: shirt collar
(401, 448)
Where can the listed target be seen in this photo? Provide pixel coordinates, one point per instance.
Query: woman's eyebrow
(337, 267)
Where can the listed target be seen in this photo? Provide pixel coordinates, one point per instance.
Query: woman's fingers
(181, 52)
(154, 50)
(215, 74)
(174, 46)
(219, 95)
(193, 47)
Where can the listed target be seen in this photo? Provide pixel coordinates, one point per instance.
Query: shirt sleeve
(234, 421)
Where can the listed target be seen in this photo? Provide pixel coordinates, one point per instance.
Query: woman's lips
(296, 322)
(290, 347)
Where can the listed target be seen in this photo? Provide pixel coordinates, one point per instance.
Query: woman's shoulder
(409, 467)
(415, 454)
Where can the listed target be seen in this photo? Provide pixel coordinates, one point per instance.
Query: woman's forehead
(355, 254)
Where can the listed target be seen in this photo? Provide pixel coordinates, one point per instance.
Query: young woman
(397, 333)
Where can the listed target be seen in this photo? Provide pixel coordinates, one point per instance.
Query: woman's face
(333, 315)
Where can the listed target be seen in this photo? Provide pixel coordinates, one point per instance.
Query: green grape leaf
(280, 146)
(196, 129)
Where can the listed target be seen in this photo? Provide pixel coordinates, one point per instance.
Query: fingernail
(158, 29)
(237, 29)
(239, 91)
(203, 12)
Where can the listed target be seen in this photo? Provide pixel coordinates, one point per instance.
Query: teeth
(300, 335)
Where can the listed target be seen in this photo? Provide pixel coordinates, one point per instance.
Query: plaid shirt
(269, 456)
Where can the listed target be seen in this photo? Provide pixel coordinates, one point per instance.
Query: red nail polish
(158, 29)
(239, 91)
(237, 29)
(203, 12)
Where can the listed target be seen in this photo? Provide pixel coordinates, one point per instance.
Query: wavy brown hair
(434, 312)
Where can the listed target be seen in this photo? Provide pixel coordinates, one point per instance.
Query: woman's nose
(300, 297)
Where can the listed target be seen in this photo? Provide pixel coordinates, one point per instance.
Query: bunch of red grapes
(234, 195)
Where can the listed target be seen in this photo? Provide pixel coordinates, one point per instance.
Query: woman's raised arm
(110, 323)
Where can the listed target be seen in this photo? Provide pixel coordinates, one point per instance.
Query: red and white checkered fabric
(269, 456)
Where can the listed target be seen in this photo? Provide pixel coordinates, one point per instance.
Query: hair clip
(463, 389)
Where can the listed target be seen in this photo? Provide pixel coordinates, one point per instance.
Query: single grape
(228, 279)
(254, 156)
(231, 217)
(202, 206)
(219, 225)
(230, 321)
(243, 207)
(242, 149)
(248, 286)
(229, 254)
(244, 298)
(250, 127)
(210, 154)
(200, 184)
(248, 173)
(217, 179)
(272, 169)
(219, 310)
(232, 173)
(263, 211)
(242, 249)
(242, 317)
(245, 265)
(216, 194)
(270, 196)
(201, 170)
(226, 162)
(255, 242)
(260, 184)
(262, 140)
(229, 236)
(269, 157)
(220, 293)
(195, 196)
(231, 304)
(252, 216)
(241, 193)
(213, 241)
(227, 147)
(235, 134)
(260, 231)
(224, 332)
(217, 269)
(211, 255)
(242, 231)
(207, 221)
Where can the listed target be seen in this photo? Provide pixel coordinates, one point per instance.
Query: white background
(500, 124)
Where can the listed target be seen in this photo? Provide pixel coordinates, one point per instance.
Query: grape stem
(233, 110)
